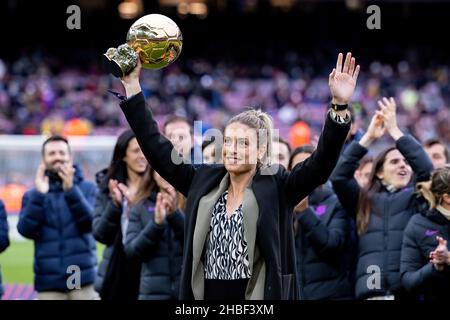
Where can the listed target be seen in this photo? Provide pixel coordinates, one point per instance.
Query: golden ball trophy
(154, 39)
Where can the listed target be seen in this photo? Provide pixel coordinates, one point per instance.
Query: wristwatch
(338, 107)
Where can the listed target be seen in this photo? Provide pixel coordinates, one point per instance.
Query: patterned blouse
(226, 255)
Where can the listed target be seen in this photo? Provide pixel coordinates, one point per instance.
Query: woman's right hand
(375, 130)
(160, 209)
(131, 81)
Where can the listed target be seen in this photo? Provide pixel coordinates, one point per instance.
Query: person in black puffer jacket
(155, 237)
(425, 259)
(4, 239)
(384, 207)
(322, 234)
(57, 215)
(118, 276)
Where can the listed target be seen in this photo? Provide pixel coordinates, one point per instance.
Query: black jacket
(4, 238)
(419, 276)
(275, 194)
(380, 246)
(106, 227)
(159, 248)
(321, 241)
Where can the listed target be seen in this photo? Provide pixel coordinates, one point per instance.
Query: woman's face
(396, 171)
(134, 158)
(240, 152)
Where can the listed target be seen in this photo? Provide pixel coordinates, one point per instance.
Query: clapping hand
(388, 112)
(41, 181)
(440, 256)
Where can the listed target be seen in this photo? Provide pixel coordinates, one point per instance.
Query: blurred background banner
(272, 54)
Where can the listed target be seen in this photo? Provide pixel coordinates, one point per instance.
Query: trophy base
(112, 67)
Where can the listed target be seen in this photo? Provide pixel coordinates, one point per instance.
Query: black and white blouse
(226, 256)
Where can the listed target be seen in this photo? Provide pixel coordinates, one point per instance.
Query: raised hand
(160, 209)
(115, 193)
(375, 130)
(41, 181)
(342, 80)
(388, 111)
(131, 81)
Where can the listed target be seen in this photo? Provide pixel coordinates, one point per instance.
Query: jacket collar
(436, 216)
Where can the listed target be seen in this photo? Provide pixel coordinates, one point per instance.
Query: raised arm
(158, 150)
(406, 144)
(344, 183)
(315, 170)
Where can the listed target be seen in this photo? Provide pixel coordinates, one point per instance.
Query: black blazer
(276, 194)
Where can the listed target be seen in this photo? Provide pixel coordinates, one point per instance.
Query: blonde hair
(260, 121)
(434, 189)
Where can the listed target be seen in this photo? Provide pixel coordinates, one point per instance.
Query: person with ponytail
(235, 211)
(425, 259)
(384, 206)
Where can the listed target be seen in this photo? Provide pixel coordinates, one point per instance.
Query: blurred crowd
(41, 95)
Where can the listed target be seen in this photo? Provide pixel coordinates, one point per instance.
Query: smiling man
(57, 214)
